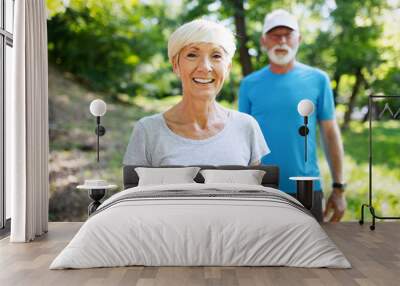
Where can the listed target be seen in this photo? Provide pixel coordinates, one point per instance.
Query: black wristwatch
(337, 185)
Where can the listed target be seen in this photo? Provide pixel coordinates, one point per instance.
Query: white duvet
(200, 231)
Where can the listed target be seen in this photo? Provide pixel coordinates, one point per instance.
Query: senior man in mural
(272, 94)
(198, 130)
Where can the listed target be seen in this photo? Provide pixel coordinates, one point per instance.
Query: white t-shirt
(153, 143)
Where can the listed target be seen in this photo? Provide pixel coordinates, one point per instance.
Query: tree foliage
(105, 43)
(120, 47)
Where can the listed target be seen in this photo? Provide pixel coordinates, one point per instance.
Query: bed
(201, 224)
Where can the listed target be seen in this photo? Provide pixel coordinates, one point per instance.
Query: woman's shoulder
(151, 121)
(241, 117)
(244, 122)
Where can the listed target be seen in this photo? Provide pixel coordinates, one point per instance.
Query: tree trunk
(240, 24)
(352, 101)
(336, 78)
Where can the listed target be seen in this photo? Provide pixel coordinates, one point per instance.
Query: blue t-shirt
(272, 100)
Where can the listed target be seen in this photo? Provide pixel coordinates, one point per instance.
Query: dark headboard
(270, 179)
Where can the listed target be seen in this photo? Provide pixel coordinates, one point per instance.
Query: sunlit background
(117, 51)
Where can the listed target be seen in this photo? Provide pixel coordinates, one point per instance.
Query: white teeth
(202, 80)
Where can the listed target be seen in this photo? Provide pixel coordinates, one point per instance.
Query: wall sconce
(98, 108)
(305, 109)
(304, 192)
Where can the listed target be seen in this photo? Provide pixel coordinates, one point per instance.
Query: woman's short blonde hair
(201, 30)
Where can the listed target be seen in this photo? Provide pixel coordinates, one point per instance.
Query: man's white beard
(282, 59)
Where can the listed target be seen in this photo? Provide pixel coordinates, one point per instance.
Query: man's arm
(333, 148)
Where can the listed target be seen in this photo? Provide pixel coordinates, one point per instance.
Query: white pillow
(165, 176)
(248, 177)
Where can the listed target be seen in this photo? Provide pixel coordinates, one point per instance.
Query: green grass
(385, 171)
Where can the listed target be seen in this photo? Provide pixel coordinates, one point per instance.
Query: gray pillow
(248, 177)
(165, 176)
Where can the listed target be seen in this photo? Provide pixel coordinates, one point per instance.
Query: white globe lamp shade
(98, 107)
(305, 107)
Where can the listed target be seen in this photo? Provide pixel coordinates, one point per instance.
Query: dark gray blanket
(206, 194)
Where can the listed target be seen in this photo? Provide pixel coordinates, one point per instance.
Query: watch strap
(337, 185)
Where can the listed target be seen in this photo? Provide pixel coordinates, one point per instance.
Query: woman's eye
(191, 55)
(217, 56)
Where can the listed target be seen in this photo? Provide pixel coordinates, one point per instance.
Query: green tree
(120, 47)
(351, 47)
(108, 45)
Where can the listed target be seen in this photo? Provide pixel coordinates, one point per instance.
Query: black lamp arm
(100, 131)
(303, 131)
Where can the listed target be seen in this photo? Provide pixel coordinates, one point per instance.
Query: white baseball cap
(279, 18)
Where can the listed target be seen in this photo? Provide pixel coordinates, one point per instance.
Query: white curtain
(27, 142)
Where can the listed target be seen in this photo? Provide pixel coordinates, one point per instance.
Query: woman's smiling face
(202, 68)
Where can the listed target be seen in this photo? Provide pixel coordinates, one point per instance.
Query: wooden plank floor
(374, 255)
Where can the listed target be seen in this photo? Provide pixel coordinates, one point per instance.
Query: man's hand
(336, 203)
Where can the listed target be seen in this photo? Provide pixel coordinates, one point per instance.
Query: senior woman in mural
(198, 130)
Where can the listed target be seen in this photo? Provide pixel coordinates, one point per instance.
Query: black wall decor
(394, 114)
